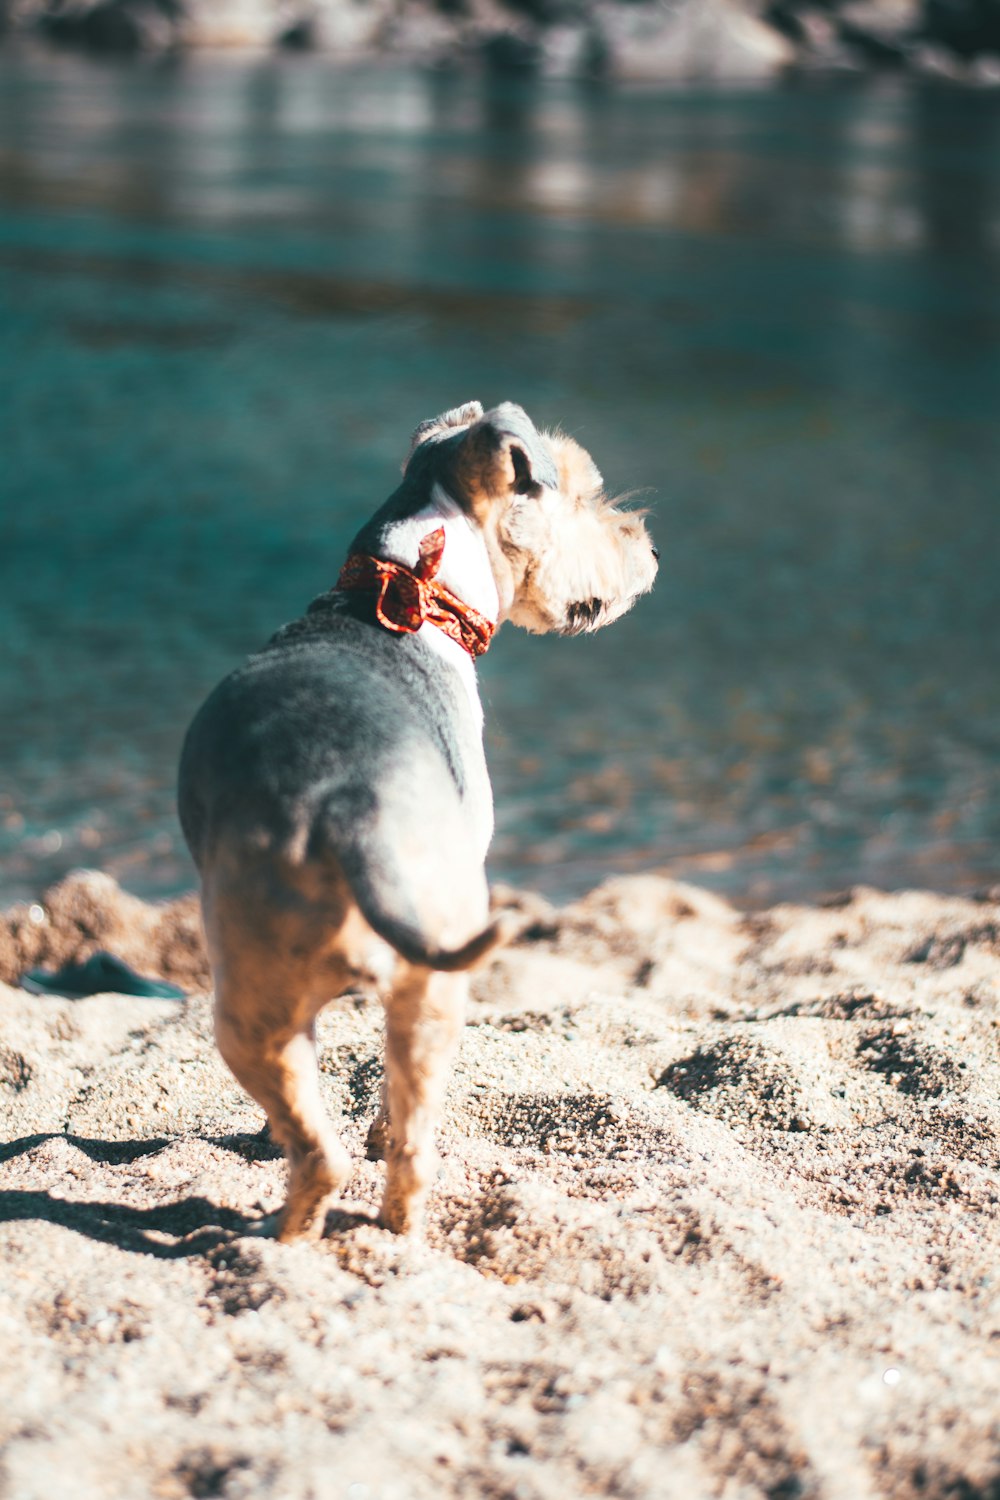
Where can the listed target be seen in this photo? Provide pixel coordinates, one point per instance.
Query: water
(230, 289)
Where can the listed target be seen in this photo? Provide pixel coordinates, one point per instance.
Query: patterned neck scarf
(406, 598)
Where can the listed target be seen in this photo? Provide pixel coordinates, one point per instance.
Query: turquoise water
(231, 289)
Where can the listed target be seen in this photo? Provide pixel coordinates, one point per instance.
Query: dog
(334, 794)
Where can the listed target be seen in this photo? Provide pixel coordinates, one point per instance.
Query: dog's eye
(656, 553)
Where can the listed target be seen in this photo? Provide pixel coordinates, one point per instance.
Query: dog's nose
(656, 554)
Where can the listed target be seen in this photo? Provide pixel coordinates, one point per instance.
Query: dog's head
(566, 558)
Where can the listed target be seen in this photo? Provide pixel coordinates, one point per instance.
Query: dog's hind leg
(424, 1015)
(277, 959)
(377, 1140)
(279, 1069)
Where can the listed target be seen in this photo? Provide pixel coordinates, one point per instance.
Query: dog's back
(341, 754)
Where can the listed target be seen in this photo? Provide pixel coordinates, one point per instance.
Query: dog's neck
(465, 570)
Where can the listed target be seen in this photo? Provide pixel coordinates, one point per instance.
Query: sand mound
(88, 912)
(718, 1216)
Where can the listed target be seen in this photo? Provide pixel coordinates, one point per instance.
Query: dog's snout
(656, 553)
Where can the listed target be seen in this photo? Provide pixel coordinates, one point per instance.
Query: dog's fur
(334, 792)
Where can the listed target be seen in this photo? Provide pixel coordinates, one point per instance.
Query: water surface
(231, 289)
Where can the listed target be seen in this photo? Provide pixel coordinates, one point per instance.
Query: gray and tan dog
(334, 791)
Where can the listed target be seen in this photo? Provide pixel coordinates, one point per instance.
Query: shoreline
(750, 877)
(88, 909)
(727, 42)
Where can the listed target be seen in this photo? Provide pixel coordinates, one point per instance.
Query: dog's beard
(584, 616)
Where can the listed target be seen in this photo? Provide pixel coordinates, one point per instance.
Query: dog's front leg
(424, 1016)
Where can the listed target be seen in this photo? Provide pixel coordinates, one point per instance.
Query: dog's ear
(443, 426)
(501, 455)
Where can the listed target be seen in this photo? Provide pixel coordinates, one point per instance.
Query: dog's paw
(402, 1215)
(266, 1228)
(286, 1228)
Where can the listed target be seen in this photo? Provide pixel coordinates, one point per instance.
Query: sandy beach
(717, 1216)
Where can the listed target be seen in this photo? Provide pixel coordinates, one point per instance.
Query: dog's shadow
(193, 1226)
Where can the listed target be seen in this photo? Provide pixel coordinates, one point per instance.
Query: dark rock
(510, 52)
(879, 32)
(938, 63)
(548, 12)
(124, 27)
(794, 20)
(877, 48)
(966, 27)
(300, 36)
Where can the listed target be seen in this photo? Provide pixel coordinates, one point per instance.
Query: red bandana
(406, 598)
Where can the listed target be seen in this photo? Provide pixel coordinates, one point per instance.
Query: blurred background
(747, 254)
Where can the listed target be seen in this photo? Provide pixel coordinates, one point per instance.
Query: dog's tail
(380, 900)
(409, 944)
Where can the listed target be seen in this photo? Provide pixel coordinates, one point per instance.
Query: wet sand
(717, 1216)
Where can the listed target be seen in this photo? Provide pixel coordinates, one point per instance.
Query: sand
(717, 1216)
